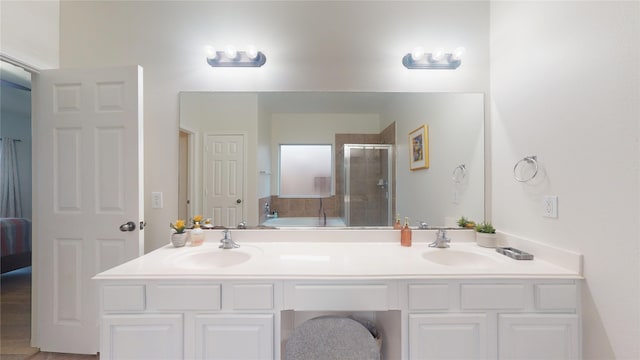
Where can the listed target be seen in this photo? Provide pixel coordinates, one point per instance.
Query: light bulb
(231, 52)
(252, 52)
(211, 52)
(438, 54)
(417, 54)
(457, 53)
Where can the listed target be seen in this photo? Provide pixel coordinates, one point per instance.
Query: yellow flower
(178, 226)
(197, 218)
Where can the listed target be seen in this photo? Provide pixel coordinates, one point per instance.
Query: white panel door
(88, 174)
(224, 179)
(447, 336)
(538, 336)
(234, 337)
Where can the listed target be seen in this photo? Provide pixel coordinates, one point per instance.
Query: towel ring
(459, 173)
(518, 168)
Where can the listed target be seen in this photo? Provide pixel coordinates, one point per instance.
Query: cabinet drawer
(339, 297)
(429, 297)
(123, 298)
(252, 296)
(492, 296)
(555, 296)
(183, 297)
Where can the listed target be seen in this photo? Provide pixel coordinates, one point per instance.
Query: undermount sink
(212, 258)
(466, 259)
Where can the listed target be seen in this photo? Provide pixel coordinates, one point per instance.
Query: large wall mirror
(236, 150)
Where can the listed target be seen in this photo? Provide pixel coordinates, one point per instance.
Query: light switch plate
(550, 206)
(156, 200)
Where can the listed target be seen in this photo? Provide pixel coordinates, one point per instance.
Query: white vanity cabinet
(493, 319)
(200, 303)
(141, 336)
(188, 319)
(448, 336)
(418, 319)
(234, 336)
(538, 336)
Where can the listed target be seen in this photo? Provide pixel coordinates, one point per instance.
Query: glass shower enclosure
(368, 185)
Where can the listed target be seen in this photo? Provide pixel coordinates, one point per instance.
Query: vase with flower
(178, 235)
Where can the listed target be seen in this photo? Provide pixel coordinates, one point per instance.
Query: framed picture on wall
(419, 148)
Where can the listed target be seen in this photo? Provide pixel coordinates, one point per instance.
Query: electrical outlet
(156, 200)
(550, 206)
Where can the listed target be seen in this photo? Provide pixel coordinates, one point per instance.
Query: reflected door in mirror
(224, 179)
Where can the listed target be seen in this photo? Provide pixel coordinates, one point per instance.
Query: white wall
(29, 32)
(205, 113)
(456, 136)
(312, 46)
(565, 86)
(265, 171)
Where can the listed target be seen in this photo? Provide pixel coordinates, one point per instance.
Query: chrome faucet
(423, 225)
(242, 225)
(267, 212)
(226, 242)
(442, 241)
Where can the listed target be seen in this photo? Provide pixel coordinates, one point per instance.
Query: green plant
(463, 222)
(486, 228)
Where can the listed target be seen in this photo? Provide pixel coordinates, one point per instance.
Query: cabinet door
(234, 337)
(447, 336)
(538, 336)
(141, 337)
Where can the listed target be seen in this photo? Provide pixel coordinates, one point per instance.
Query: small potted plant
(463, 222)
(486, 235)
(178, 236)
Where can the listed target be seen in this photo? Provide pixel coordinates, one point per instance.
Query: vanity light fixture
(231, 57)
(438, 59)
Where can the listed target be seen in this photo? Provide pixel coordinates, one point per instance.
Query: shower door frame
(347, 175)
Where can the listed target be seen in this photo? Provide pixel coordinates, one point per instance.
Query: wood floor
(15, 318)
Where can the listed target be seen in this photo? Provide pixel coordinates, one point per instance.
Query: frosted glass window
(305, 170)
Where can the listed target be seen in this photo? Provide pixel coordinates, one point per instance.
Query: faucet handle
(242, 225)
(442, 235)
(227, 242)
(441, 240)
(423, 225)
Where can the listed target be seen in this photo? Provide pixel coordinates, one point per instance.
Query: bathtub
(304, 221)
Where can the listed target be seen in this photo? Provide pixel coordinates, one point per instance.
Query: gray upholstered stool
(331, 338)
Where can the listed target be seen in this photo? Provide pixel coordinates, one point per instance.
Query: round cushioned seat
(327, 338)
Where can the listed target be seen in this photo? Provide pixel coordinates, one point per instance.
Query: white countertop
(328, 260)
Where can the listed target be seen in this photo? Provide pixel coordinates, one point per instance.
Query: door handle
(238, 201)
(129, 226)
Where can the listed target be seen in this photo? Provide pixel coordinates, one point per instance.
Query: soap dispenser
(197, 235)
(397, 225)
(405, 233)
